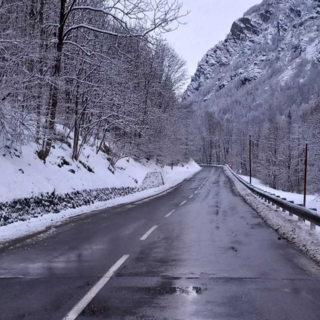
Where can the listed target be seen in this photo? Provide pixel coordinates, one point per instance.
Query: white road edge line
(148, 233)
(182, 203)
(191, 196)
(79, 307)
(169, 214)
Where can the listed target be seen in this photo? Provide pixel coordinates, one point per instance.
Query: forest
(100, 70)
(280, 121)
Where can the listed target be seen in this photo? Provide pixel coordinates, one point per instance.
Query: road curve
(198, 252)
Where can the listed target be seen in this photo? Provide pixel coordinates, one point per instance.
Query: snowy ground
(297, 233)
(132, 168)
(313, 201)
(23, 175)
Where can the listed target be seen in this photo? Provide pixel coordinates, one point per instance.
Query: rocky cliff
(270, 40)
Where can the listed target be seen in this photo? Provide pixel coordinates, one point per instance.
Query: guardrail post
(271, 201)
(277, 205)
(283, 210)
(301, 219)
(291, 214)
(312, 225)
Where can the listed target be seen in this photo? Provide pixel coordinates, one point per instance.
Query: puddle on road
(97, 310)
(189, 291)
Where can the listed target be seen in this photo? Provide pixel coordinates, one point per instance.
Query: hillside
(274, 39)
(24, 175)
(262, 81)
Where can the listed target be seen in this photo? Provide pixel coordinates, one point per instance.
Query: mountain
(262, 81)
(271, 37)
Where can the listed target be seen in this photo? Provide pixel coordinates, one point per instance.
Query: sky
(208, 22)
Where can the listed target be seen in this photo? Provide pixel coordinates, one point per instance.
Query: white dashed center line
(191, 196)
(181, 204)
(170, 213)
(79, 307)
(148, 233)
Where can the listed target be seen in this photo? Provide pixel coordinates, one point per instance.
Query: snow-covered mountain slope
(275, 39)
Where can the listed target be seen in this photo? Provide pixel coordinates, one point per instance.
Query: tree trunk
(76, 128)
(41, 60)
(50, 123)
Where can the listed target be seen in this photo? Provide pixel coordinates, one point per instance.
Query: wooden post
(305, 177)
(250, 158)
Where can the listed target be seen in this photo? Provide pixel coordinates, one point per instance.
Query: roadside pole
(305, 177)
(250, 158)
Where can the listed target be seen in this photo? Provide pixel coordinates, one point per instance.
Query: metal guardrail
(293, 209)
(211, 164)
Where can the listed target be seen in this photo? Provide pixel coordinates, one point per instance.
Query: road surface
(189, 254)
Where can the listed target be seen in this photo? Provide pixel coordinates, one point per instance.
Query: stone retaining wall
(24, 209)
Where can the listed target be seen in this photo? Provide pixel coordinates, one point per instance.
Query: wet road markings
(148, 233)
(170, 213)
(79, 307)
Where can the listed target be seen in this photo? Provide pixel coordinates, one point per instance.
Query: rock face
(275, 34)
(152, 180)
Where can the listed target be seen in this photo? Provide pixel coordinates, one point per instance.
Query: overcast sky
(209, 22)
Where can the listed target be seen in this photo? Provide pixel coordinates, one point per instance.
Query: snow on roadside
(312, 200)
(24, 228)
(24, 175)
(289, 228)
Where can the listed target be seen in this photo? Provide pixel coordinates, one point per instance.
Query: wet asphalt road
(213, 258)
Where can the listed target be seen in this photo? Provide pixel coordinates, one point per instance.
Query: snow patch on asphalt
(297, 233)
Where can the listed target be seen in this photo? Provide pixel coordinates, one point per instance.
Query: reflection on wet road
(205, 254)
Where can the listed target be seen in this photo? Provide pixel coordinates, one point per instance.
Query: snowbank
(171, 179)
(312, 200)
(297, 233)
(23, 175)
